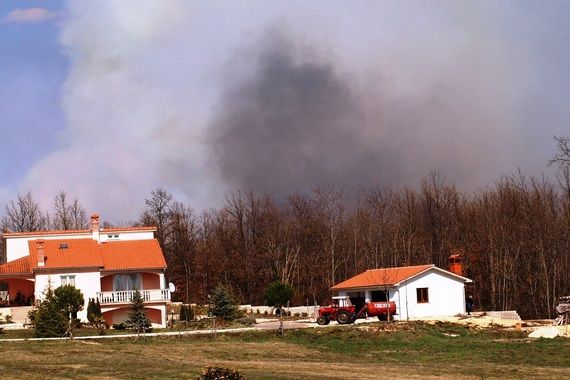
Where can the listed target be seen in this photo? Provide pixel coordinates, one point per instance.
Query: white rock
(545, 332)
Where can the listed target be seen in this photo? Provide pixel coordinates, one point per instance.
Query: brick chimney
(40, 253)
(95, 226)
(455, 265)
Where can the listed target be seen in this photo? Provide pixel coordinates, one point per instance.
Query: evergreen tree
(49, 319)
(186, 313)
(69, 299)
(94, 311)
(278, 294)
(138, 320)
(225, 306)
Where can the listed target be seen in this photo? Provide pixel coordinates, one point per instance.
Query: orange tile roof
(88, 253)
(132, 255)
(18, 266)
(80, 253)
(382, 277)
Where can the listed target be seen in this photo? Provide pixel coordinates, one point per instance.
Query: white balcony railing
(126, 296)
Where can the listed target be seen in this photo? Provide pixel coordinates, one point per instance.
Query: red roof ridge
(51, 232)
(407, 266)
(71, 232)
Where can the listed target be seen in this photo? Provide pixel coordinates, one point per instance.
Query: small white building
(108, 265)
(419, 291)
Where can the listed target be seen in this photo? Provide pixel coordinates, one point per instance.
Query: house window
(130, 281)
(67, 280)
(422, 294)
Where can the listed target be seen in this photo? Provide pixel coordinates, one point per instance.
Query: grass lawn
(371, 351)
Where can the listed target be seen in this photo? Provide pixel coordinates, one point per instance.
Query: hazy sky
(108, 100)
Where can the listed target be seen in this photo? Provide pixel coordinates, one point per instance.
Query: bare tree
(23, 215)
(158, 213)
(68, 216)
(183, 244)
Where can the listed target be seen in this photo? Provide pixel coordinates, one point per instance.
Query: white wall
(446, 296)
(126, 235)
(88, 282)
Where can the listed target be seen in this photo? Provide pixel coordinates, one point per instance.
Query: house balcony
(126, 296)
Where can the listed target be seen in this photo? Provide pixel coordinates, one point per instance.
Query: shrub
(219, 373)
(119, 326)
(248, 321)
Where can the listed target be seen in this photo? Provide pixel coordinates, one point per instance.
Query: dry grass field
(374, 351)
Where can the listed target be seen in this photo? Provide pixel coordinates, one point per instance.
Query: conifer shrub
(224, 304)
(94, 315)
(186, 313)
(48, 319)
(138, 320)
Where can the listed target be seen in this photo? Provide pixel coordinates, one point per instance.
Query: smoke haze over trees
(513, 237)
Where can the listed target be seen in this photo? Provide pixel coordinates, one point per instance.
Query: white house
(418, 291)
(105, 264)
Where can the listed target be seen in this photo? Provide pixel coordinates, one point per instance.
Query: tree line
(514, 237)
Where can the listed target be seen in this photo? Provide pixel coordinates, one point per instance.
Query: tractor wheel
(323, 321)
(343, 317)
(385, 317)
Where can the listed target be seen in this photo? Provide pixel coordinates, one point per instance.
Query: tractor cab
(341, 301)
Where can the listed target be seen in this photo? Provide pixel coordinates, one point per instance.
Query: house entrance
(357, 299)
(378, 296)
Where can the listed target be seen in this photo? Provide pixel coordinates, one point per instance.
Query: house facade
(418, 291)
(109, 265)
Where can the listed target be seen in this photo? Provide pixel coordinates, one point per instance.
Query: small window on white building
(423, 295)
(67, 280)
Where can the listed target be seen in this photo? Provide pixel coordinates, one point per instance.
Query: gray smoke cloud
(296, 119)
(206, 98)
(295, 123)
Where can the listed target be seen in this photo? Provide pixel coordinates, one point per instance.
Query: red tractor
(344, 312)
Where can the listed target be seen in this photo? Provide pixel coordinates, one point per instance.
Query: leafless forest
(514, 237)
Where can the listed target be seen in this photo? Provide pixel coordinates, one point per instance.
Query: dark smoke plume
(295, 124)
(291, 119)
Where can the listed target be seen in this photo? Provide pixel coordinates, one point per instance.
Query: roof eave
(47, 269)
(22, 274)
(132, 269)
(364, 287)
